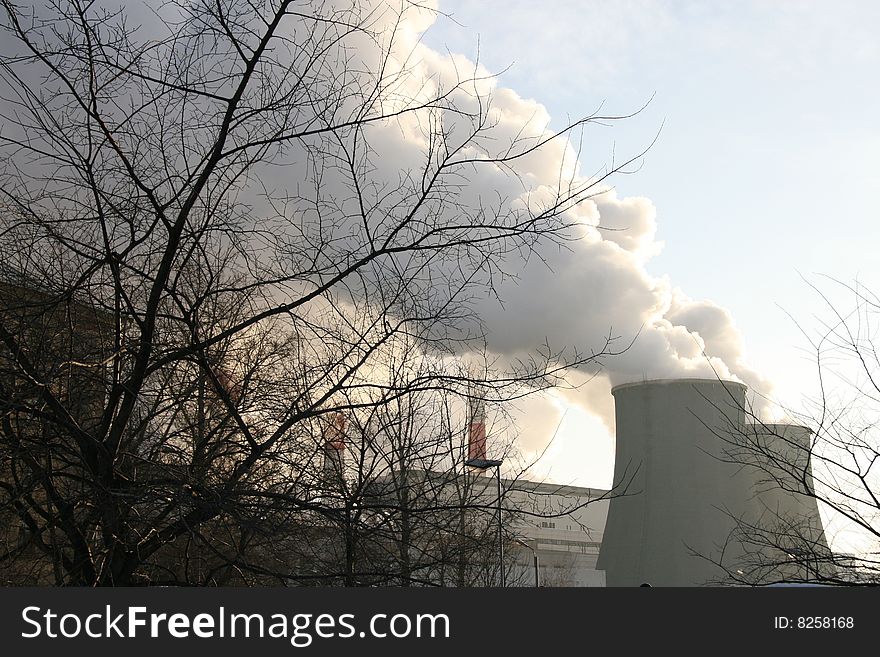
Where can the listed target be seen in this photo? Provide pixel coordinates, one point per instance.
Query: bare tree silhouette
(208, 256)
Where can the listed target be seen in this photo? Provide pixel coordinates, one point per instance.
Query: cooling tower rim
(687, 381)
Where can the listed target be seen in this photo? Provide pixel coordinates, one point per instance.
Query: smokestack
(477, 430)
(230, 387)
(334, 446)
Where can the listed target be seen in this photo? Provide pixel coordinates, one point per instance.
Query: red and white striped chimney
(477, 430)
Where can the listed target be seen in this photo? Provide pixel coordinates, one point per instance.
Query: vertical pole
(537, 575)
(500, 535)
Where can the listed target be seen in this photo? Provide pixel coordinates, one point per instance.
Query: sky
(765, 171)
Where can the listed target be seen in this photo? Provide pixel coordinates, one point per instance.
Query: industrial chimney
(334, 447)
(476, 429)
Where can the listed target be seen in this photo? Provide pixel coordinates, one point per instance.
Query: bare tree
(179, 320)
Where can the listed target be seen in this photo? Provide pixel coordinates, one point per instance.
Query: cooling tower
(701, 476)
(778, 457)
(778, 462)
(679, 507)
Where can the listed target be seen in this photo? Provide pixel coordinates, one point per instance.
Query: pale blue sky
(768, 164)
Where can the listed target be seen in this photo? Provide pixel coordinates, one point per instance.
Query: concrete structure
(684, 443)
(567, 545)
(777, 459)
(560, 524)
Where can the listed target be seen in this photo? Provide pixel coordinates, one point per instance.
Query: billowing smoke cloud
(577, 294)
(574, 294)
